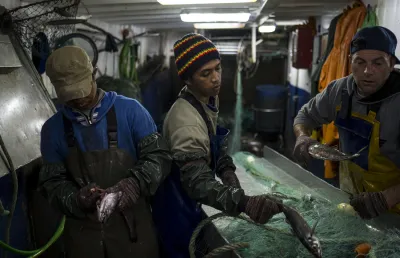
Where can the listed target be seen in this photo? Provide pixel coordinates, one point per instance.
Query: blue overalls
(175, 214)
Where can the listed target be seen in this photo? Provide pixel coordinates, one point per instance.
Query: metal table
(282, 169)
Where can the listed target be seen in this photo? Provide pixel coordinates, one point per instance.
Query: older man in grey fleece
(365, 108)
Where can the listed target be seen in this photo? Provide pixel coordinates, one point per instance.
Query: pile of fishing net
(338, 231)
(121, 86)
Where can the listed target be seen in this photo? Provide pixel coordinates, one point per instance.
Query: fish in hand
(325, 152)
(107, 206)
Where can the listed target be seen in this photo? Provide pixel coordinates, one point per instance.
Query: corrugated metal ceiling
(152, 15)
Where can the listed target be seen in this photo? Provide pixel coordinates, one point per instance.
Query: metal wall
(9, 4)
(25, 106)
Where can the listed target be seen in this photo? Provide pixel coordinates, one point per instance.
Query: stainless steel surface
(24, 107)
(286, 171)
(8, 56)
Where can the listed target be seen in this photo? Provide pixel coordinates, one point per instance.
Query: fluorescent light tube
(215, 17)
(187, 2)
(221, 25)
(290, 22)
(266, 28)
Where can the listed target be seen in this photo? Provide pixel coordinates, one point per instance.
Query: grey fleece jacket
(322, 110)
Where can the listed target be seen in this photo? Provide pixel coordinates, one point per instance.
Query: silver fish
(325, 152)
(303, 231)
(107, 206)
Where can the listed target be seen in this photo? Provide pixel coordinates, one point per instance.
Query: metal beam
(306, 9)
(141, 22)
(93, 9)
(144, 17)
(136, 13)
(268, 7)
(316, 4)
(317, 1)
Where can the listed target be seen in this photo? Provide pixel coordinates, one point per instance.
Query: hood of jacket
(388, 90)
(96, 113)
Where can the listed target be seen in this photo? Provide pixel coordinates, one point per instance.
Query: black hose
(15, 192)
(62, 40)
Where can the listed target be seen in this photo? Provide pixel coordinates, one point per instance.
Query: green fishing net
(338, 231)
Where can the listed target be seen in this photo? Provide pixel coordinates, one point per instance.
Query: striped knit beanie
(192, 52)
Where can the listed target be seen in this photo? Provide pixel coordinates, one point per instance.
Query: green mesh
(338, 231)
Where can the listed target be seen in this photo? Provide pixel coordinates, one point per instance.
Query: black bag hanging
(40, 52)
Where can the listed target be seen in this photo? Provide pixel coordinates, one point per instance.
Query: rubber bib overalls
(124, 235)
(175, 215)
(371, 171)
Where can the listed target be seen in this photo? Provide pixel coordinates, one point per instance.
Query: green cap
(70, 71)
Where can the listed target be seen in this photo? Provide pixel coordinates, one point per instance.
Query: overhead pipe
(253, 42)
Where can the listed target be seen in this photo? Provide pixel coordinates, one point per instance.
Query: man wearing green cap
(100, 143)
(199, 151)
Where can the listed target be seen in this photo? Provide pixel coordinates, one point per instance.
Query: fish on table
(302, 230)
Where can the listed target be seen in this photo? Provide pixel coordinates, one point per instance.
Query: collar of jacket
(98, 112)
(388, 90)
(211, 100)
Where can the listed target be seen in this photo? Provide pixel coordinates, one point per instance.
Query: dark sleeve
(321, 109)
(200, 184)
(59, 190)
(154, 163)
(54, 183)
(225, 162)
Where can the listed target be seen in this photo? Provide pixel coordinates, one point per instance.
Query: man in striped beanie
(199, 150)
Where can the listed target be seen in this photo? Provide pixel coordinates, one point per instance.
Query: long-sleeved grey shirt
(322, 110)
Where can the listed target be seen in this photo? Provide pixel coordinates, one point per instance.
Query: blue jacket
(134, 123)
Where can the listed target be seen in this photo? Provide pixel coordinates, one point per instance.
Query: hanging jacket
(337, 66)
(331, 36)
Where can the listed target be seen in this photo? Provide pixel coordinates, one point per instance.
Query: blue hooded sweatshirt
(134, 123)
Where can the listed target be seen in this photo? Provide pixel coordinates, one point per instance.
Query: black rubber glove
(300, 151)
(229, 178)
(87, 197)
(261, 208)
(130, 192)
(369, 205)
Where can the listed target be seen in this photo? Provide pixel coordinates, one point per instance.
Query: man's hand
(262, 208)
(300, 152)
(369, 205)
(130, 192)
(88, 196)
(229, 178)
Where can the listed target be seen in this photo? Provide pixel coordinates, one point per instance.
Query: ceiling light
(186, 2)
(215, 17)
(266, 28)
(290, 22)
(221, 25)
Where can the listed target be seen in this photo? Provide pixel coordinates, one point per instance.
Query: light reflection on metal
(24, 107)
(219, 25)
(215, 17)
